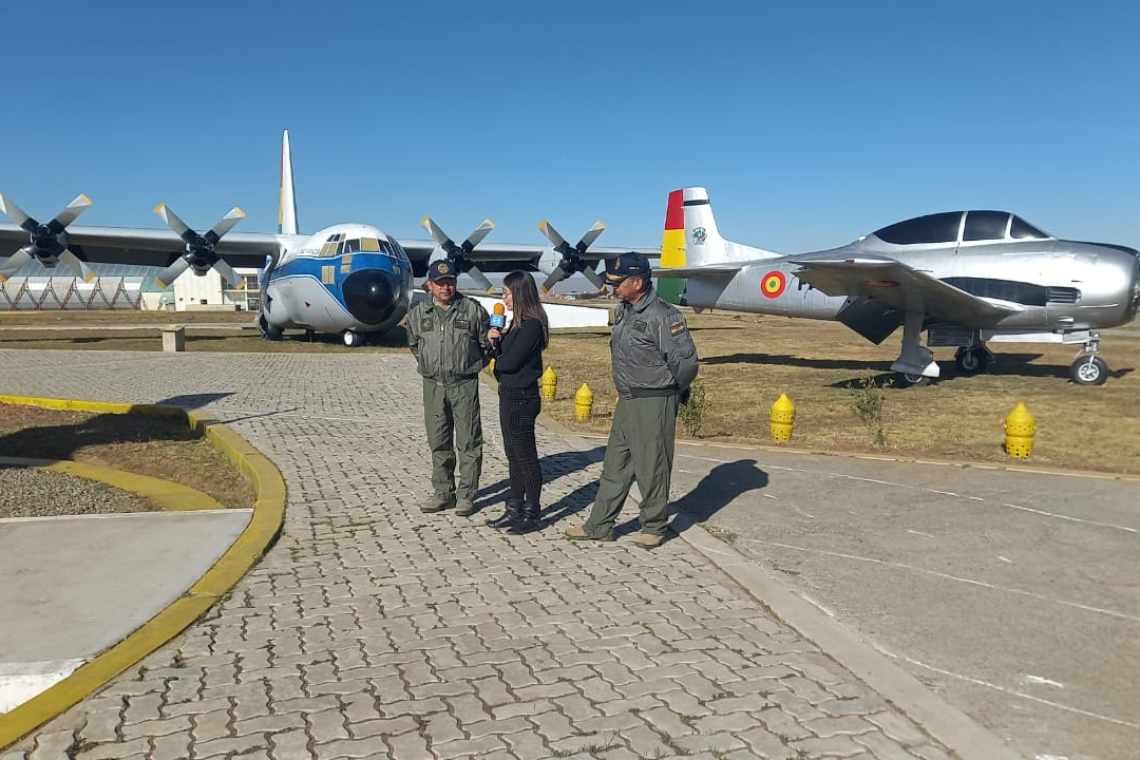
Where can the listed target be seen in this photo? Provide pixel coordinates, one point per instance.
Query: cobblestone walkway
(372, 630)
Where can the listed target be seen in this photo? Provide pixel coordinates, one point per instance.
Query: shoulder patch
(677, 328)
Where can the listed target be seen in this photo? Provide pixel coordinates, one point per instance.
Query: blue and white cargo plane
(351, 279)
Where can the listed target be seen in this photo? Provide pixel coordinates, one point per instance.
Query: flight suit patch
(639, 326)
(677, 328)
(462, 324)
(426, 325)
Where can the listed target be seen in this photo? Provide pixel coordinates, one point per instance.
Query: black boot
(509, 517)
(528, 520)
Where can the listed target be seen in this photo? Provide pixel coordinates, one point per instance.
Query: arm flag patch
(676, 328)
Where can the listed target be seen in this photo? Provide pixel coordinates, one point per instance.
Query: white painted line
(947, 576)
(920, 533)
(1030, 697)
(1044, 681)
(1124, 528)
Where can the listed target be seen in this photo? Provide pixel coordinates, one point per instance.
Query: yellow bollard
(1020, 427)
(782, 418)
(583, 402)
(548, 384)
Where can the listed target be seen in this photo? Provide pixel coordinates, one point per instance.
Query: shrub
(692, 413)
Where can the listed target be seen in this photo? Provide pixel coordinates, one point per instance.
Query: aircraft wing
(149, 247)
(505, 257)
(900, 286)
(704, 270)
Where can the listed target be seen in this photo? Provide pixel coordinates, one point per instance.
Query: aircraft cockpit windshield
(950, 228)
(340, 244)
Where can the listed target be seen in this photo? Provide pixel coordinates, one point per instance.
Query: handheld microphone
(498, 316)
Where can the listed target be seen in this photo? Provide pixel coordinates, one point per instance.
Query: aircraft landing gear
(971, 360)
(1089, 369)
(268, 331)
(915, 365)
(352, 339)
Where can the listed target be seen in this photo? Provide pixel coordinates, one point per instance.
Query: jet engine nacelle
(549, 260)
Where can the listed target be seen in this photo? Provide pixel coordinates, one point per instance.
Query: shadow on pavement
(719, 488)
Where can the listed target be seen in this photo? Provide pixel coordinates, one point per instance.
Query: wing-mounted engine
(460, 254)
(47, 243)
(567, 259)
(199, 255)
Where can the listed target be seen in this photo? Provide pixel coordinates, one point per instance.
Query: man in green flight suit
(447, 333)
(654, 362)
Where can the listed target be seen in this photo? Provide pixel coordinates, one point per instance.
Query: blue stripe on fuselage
(313, 266)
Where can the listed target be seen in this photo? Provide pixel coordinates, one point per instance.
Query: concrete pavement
(1012, 593)
(373, 630)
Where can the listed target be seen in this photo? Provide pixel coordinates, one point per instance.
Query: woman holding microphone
(518, 368)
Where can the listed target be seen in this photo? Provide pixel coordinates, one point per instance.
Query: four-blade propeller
(572, 260)
(47, 242)
(200, 253)
(461, 254)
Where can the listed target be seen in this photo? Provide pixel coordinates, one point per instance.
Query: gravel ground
(29, 492)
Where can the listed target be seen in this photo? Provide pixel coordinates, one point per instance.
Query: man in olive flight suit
(654, 362)
(447, 333)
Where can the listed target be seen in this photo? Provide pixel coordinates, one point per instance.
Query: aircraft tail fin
(699, 242)
(286, 202)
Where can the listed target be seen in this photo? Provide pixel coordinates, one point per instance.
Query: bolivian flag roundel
(773, 284)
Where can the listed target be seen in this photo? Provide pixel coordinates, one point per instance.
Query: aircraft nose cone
(370, 296)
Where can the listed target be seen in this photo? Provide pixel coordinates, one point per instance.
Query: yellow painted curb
(172, 497)
(263, 529)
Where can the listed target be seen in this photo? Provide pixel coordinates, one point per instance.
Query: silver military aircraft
(351, 279)
(967, 278)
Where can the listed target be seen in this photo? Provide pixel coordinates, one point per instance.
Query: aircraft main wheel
(352, 339)
(907, 380)
(1089, 371)
(971, 360)
(268, 331)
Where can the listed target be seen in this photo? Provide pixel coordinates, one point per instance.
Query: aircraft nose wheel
(353, 339)
(1089, 370)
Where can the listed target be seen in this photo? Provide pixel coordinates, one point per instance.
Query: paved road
(1015, 595)
(373, 630)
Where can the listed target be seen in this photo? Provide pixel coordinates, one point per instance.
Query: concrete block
(174, 338)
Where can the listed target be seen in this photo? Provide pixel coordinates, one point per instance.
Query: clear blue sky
(809, 122)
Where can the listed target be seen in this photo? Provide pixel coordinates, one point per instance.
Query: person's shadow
(717, 489)
(553, 466)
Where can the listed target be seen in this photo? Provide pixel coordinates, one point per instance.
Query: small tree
(867, 399)
(692, 413)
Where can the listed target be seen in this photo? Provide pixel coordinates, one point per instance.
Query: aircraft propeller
(460, 254)
(200, 253)
(572, 261)
(47, 242)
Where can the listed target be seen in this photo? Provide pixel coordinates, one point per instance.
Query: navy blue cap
(626, 265)
(442, 269)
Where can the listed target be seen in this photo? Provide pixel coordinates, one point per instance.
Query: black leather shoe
(528, 521)
(509, 517)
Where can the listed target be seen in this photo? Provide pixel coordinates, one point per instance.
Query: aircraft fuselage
(1059, 285)
(346, 277)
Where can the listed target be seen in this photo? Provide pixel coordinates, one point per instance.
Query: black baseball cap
(626, 265)
(442, 270)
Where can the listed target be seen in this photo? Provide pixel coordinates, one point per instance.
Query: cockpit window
(985, 225)
(934, 228)
(369, 244)
(352, 246)
(1020, 229)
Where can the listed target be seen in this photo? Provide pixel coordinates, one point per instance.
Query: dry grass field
(746, 362)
